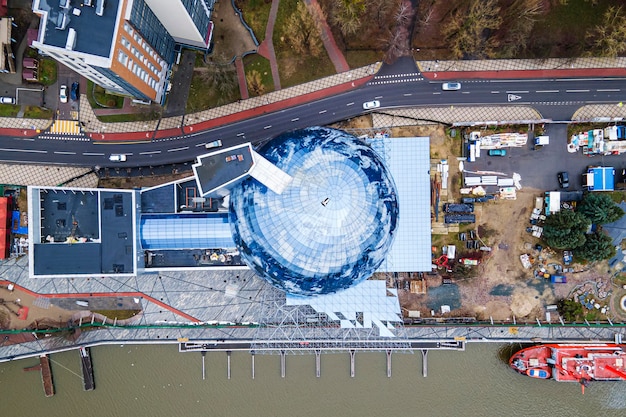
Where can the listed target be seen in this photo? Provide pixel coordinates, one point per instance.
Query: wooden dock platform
(86, 365)
(46, 374)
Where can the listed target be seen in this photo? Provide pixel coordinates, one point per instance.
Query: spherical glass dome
(331, 227)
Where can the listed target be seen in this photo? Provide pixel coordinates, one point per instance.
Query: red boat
(572, 362)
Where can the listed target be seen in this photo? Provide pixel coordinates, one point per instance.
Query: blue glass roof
(331, 227)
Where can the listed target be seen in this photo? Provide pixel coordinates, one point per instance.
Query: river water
(158, 381)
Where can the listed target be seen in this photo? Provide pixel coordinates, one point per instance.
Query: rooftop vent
(63, 19)
(64, 4)
(71, 40)
(87, 3)
(100, 7)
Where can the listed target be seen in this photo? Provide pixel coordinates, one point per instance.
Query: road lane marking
(323, 111)
(295, 120)
(517, 92)
(547, 91)
(608, 90)
(438, 92)
(240, 134)
(378, 97)
(198, 145)
(23, 150)
(267, 127)
(350, 104)
(576, 91)
(407, 94)
(184, 148)
(92, 154)
(495, 92)
(149, 152)
(64, 153)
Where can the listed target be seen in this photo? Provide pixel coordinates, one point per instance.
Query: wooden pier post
(318, 363)
(252, 353)
(282, 363)
(424, 363)
(352, 373)
(228, 353)
(388, 363)
(203, 365)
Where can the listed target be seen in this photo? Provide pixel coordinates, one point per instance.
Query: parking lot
(539, 168)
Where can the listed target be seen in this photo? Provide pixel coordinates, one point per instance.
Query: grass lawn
(130, 117)
(34, 112)
(256, 14)
(262, 65)
(9, 110)
(47, 71)
(99, 98)
(561, 32)
(202, 95)
(358, 59)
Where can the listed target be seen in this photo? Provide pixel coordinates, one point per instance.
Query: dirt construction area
(500, 287)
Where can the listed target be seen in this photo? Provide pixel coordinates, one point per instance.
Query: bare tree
(609, 38)
(348, 14)
(519, 19)
(468, 30)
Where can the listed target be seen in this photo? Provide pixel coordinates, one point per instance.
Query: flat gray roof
(218, 169)
(94, 34)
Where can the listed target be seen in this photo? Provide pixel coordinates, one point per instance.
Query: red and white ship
(572, 362)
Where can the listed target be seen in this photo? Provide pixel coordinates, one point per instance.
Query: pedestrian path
(334, 53)
(266, 48)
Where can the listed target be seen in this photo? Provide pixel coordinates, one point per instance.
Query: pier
(46, 374)
(86, 365)
(424, 363)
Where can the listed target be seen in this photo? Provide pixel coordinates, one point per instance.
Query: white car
(7, 100)
(374, 104)
(214, 144)
(63, 94)
(451, 86)
(117, 157)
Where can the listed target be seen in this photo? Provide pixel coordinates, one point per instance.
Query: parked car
(74, 91)
(116, 157)
(7, 100)
(451, 86)
(374, 104)
(214, 144)
(563, 178)
(63, 94)
(496, 152)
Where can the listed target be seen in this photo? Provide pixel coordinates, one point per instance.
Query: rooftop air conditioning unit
(87, 3)
(100, 7)
(71, 40)
(64, 4)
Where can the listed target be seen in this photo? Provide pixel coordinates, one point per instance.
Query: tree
(565, 230)
(302, 31)
(347, 15)
(609, 37)
(597, 247)
(599, 208)
(468, 30)
(570, 310)
(519, 19)
(255, 83)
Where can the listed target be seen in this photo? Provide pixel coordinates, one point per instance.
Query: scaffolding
(299, 329)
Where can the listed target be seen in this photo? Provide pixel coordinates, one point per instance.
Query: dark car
(74, 91)
(563, 179)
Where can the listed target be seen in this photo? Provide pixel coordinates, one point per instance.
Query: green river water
(134, 380)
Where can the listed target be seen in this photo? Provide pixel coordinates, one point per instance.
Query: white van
(214, 144)
(117, 157)
(82, 303)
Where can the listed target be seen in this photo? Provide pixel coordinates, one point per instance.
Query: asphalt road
(556, 99)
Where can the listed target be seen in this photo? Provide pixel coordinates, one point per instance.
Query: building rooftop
(93, 33)
(222, 168)
(81, 232)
